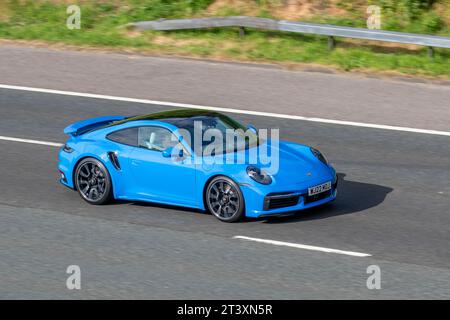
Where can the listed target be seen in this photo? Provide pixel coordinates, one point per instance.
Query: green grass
(102, 26)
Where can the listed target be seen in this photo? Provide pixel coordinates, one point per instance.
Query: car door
(124, 141)
(159, 178)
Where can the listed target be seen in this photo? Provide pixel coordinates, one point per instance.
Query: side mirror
(172, 152)
(252, 129)
(167, 153)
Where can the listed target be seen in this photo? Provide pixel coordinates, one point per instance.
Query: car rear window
(127, 136)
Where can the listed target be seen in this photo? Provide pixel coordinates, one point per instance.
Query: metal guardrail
(298, 27)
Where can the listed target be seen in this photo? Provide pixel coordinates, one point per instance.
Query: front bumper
(259, 203)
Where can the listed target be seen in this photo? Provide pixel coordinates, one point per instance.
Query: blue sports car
(181, 157)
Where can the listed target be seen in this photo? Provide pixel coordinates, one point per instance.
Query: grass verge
(102, 25)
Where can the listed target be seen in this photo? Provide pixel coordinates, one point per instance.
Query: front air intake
(275, 201)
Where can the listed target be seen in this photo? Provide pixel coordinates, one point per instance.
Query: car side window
(156, 138)
(127, 136)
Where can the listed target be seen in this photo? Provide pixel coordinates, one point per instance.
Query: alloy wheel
(92, 182)
(224, 200)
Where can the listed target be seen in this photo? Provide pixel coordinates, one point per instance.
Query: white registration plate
(319, 189)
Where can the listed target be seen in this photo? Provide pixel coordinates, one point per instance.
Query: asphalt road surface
(230, 85)
(394, 197)
(393, 204)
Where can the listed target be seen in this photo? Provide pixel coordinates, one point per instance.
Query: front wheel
(93, 182)
(224, 199)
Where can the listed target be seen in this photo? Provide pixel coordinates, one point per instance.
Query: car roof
(175, 116)
(179, 113)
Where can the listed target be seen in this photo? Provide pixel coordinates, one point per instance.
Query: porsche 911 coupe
(159, 158)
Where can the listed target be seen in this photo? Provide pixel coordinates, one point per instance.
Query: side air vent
(113, 157)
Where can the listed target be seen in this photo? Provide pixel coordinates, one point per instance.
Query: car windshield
(226, 134)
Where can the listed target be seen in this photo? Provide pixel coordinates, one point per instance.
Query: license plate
(319, 189)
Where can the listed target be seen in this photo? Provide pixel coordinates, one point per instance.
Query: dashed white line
(239, 111)
(46, 143)
(303, 246)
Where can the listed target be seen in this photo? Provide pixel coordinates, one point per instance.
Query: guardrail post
(241, 32)
(430, 52)
(331, 43)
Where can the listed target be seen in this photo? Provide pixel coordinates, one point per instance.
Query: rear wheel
(224, 199)
(93, 182)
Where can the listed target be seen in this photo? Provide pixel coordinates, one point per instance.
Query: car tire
(93, 182)
(224, 199)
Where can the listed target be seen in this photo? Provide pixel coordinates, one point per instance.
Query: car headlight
(319, 155)
(258, 175)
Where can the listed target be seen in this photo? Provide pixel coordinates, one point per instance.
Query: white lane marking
(303, 246)
(46, 143)
(249, 112)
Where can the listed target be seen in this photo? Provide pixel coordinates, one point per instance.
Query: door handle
(135, 162)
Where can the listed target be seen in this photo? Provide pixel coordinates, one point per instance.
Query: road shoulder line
(303, 246)
(230, 110)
